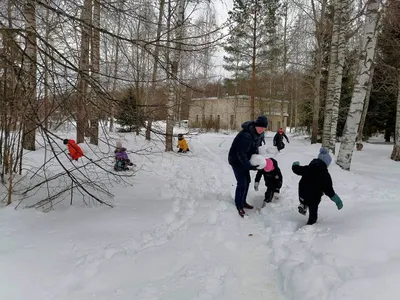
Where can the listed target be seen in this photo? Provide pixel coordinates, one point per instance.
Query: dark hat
(261, 122)
(65, 141)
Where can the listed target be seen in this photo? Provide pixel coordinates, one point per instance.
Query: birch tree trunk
(332, 73)
(341, 56)
(96, 90)
(361, 83)
(365, 108)
(155, 70)
(396, 147)
(82, 84)
(30, 117)
(174, 65)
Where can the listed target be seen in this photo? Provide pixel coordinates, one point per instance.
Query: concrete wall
(231, 112)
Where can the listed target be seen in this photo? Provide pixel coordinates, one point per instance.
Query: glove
(337, 201)
(256, 184)
(296, 163)
(254, 168)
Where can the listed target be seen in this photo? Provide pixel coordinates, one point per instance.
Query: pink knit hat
(269, 165)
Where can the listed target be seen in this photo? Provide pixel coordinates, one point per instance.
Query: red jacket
(74, 150)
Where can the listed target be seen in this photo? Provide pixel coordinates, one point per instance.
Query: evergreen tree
(252, 40)
(130, 113)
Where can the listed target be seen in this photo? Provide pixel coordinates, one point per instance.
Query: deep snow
(174, 234)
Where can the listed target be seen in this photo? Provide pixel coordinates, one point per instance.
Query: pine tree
(252, 40)
(130, 112)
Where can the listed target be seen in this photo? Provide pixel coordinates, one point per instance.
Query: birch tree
(361, 84)
(337, 58)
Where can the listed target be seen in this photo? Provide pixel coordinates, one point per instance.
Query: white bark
(360, 88)
(396, 147)
(332, 74)
(341, 56)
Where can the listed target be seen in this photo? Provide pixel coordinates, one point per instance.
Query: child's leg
(302, 207)
(269, 194)
(180, 150)
(313, 214)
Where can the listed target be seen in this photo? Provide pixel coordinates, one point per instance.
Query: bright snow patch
(175, 234)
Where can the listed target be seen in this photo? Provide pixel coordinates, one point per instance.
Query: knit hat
(261, 122)
(325, 156)
(65, 141)
(269, 165)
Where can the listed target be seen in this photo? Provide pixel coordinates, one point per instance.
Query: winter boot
(241, 212)
(248, 206)
(302, 209)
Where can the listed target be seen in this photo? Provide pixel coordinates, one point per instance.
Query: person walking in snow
(244, 145)
(272, 177)
(75, 152)
(278, 139)
(182, 144)
(315, 181)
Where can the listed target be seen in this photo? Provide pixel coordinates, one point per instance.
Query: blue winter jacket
(244, 145)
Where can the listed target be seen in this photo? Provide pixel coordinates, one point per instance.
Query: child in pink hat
(272, 177)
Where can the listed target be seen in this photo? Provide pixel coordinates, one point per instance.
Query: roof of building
(243, 97)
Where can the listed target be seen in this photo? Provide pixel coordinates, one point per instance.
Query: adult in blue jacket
(244, 145)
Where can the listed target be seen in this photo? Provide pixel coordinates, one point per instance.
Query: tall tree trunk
(174, 74)
(82, 84)
(115, 73)
(46, 68)
(253, 63)
(95, 66)
(360, 88)
(30, 118)
(149, 112)
(396, 147)
(365, 107)
(319, 34)
(332, 74)
(341, 56)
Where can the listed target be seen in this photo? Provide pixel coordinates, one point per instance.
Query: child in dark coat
(315, 181)
(272, 177)
(278, 139)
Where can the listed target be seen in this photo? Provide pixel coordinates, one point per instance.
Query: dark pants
(181, 150)
(271, 190)
(312, 210)
(242, 187)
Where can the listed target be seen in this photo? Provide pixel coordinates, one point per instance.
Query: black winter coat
(278, 140)
(272, 179)
(244, 145)
(315, 181)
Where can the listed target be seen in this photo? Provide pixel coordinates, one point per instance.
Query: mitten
(256, 184)
(337, 201)
(296, 163)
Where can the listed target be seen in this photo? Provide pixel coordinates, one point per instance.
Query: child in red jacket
(74, 150)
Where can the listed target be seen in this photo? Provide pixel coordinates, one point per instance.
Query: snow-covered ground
(174, 234)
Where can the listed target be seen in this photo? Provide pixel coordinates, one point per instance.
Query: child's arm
(279, 179)
(287, 140)
(299, 170)
(328, 185)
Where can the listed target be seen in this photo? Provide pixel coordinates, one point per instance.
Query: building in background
(231, 111)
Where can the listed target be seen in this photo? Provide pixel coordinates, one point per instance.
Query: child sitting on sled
(272, 177)
(315, 181)
(182, 144)
(122, 160)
